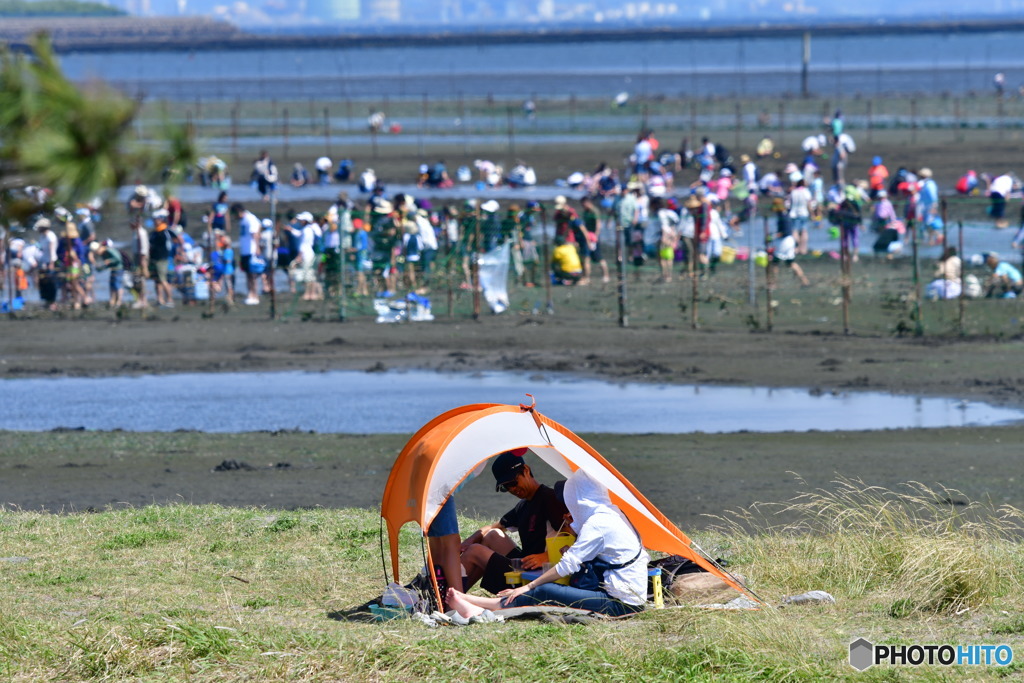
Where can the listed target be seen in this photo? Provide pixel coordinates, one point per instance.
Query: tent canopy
(455, 444)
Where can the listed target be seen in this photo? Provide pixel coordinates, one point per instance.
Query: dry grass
(927, 550)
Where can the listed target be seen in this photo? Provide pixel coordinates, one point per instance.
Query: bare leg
(475, 559)
(470, 605)
(799, 272)
(444, 550)
(498, 541)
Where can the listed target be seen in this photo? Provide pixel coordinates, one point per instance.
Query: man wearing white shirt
(248, 243)
(47, 244)
(999, 189)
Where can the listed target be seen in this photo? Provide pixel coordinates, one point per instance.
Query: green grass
(212, 593)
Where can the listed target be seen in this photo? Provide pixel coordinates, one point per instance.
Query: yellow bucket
(728, 255)
(556, 546)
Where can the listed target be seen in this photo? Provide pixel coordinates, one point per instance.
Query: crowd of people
(677, 209)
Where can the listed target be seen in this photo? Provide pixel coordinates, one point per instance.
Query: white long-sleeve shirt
(603, 532)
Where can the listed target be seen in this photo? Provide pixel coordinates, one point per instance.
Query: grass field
(211, 593)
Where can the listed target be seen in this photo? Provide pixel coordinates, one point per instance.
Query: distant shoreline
(112, 34)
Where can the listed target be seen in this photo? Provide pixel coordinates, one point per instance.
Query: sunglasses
(506, 485)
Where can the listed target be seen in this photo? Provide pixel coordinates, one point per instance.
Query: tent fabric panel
(439, 457)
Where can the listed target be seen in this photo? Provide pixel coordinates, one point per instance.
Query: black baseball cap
(506, 467)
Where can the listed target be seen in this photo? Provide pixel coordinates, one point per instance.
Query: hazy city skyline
(497, 13)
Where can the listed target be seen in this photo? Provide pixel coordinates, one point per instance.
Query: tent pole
(383, 560)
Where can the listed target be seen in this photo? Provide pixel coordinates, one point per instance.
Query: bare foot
(457, 601)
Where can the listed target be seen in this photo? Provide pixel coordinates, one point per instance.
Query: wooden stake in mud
(769, 285)
(945, 233)
(963, 290)
(620, 267)
(272, 261)
(211, 245)
(700, 223)
(8, 273)
(547, 259)
(846, 273)
(448, 267)
(750, 257)
(918, 323)
(475, 263)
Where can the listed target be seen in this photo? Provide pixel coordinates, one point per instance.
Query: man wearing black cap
(486, 553)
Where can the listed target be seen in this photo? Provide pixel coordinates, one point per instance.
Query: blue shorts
(445, 523)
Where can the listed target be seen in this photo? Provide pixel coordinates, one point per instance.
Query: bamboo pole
(212, 247)
(272, 261)
(963, 290)
(475, 263)
(448, 270)
(918, 323)
(547, 259)
(620, 267)
(769, 284)
(698, 228)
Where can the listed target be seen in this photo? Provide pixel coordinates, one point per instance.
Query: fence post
(847, 273)
(373, 136)
(423, 123)
(511, 131)
(284, 129)
(739, 124)
(871, 120)
(234, 131)
(957, 130)
(1001, 116)
(620, 268)
(463, 125)
(768, 284)
(963, 295)
(913, 119)
(918, 323)
(327, 131)
(782, 122)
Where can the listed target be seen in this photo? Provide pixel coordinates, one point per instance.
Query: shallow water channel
(400, 402)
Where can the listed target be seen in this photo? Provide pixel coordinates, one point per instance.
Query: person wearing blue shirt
(1005, 282)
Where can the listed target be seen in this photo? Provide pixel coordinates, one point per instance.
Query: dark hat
(507, 466)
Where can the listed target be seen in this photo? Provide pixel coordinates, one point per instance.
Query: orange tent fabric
(445, 451)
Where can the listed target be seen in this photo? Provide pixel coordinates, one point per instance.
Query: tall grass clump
(919, 550)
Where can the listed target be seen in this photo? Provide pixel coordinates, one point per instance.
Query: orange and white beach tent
(455, 444)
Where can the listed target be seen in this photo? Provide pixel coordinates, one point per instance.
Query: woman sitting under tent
(605, 541)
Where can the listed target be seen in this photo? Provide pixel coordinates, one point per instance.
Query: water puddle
(400, 402)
